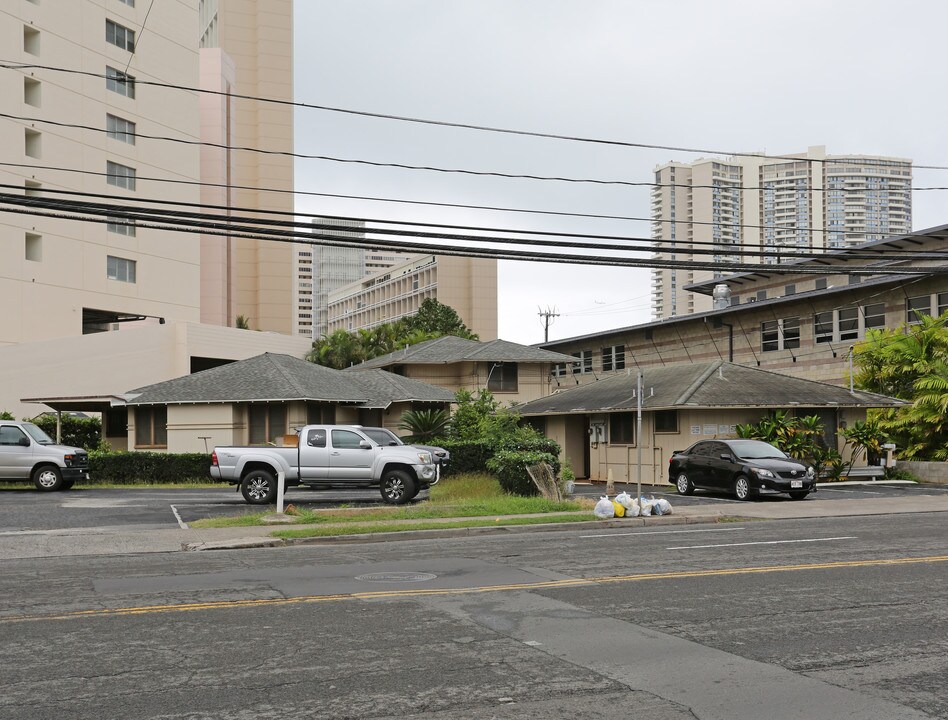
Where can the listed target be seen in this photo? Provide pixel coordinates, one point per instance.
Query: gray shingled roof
(274, 376)
(451, 349)
(715, 384)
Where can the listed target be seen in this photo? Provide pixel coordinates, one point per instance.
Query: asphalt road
(27, 510)
(821, 618)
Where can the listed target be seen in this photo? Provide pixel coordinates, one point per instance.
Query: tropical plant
(242, 322)
(341, 348)
(4, 415)
(424, 425)
(911, 363)
(866, 438)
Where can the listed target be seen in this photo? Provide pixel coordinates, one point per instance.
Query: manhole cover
(396, 577)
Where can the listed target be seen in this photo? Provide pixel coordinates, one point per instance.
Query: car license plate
(796, 483)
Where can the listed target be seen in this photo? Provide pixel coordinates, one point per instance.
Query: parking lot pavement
(27, 510)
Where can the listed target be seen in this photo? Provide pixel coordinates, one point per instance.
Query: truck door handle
(335, 452)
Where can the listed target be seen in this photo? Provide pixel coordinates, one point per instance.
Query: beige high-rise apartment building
(469, 285)
(807, 202)
(247, 49)
(62, 277)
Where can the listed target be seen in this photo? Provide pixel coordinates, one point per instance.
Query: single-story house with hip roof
(263, 400)
(595, 423)
(514, 373)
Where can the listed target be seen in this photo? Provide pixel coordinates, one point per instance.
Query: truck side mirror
(365, 445)
(24, 441)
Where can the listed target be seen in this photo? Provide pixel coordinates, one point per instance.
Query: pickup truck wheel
(47, 478)
(259, 487)
(397, 487)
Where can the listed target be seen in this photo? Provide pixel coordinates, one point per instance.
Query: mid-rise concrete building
(321, 269)
(805, 202)
(468, 285)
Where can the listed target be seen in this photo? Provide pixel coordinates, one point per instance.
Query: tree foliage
(911, 363)
(341, 349)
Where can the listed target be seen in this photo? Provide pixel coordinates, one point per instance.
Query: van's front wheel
(259, 487)
(398, 487)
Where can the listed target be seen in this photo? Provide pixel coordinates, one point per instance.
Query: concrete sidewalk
(129, 539)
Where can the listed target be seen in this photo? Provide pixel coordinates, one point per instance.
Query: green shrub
(510, 467)
(148, 467)
(467, 456)
(81, 432)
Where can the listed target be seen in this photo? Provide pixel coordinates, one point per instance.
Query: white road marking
(532, 643)
(181, 523)
(867, 492)
(659, 532)
(763, 542)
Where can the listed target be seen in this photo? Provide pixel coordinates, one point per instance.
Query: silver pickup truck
(326, 456)
(27, 453)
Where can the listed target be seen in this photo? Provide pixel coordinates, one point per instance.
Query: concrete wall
(533, 379)
(927, 471)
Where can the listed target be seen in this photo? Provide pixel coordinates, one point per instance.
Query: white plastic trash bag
(663, 505)
(656, 506)
(630, 504)
(604, 509)
(645, 506)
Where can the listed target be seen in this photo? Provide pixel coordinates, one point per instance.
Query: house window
(320, 414)
(666, 421)
(121, 226)
(115, 421)
(151, 426)
(558, 370)
(874, 315)
(584, 363)
(820, 284)
(119, 82)
(119, 35)
(120, 129)
(613, 358)
(121, 269)
(761, 294)
(119, 175)
(622, 428)
(265, 422)
(915, 306)
(781, 334)
(502, 377)
(942, 303)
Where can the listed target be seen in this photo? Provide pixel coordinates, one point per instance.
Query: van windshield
(38, 435)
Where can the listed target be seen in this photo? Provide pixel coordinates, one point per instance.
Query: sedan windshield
(37, 434)
(756, 450)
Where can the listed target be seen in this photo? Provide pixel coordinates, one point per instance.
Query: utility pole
(547, 316)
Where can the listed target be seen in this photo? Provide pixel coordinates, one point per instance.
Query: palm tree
(424, 425)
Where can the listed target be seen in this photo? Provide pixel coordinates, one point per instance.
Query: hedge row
(148, 467)
(508, 462)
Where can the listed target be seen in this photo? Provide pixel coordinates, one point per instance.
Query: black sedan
(743, 467)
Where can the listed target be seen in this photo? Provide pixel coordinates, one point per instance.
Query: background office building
(468, 285)
(322, 269)
(806, 202)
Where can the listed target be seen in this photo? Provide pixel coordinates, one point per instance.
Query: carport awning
(79, 403)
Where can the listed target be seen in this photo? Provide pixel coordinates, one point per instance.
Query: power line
(234, 220)
(13, 65)
(305, 193)
(433, 168)
(287, 230)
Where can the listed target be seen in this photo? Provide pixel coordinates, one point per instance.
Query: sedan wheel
(684, 485)
(742, 487)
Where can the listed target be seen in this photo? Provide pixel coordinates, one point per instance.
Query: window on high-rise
(119, 35)
(119, 82)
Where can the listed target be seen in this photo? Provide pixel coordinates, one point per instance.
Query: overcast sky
(862, 77)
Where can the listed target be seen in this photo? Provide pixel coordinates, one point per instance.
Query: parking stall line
(659, 532)
(860, 492)
(181, 523)
(764, 542)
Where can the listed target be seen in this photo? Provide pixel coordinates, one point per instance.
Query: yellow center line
(422, 592)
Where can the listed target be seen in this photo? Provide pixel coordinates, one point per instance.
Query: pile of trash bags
(624, 505)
